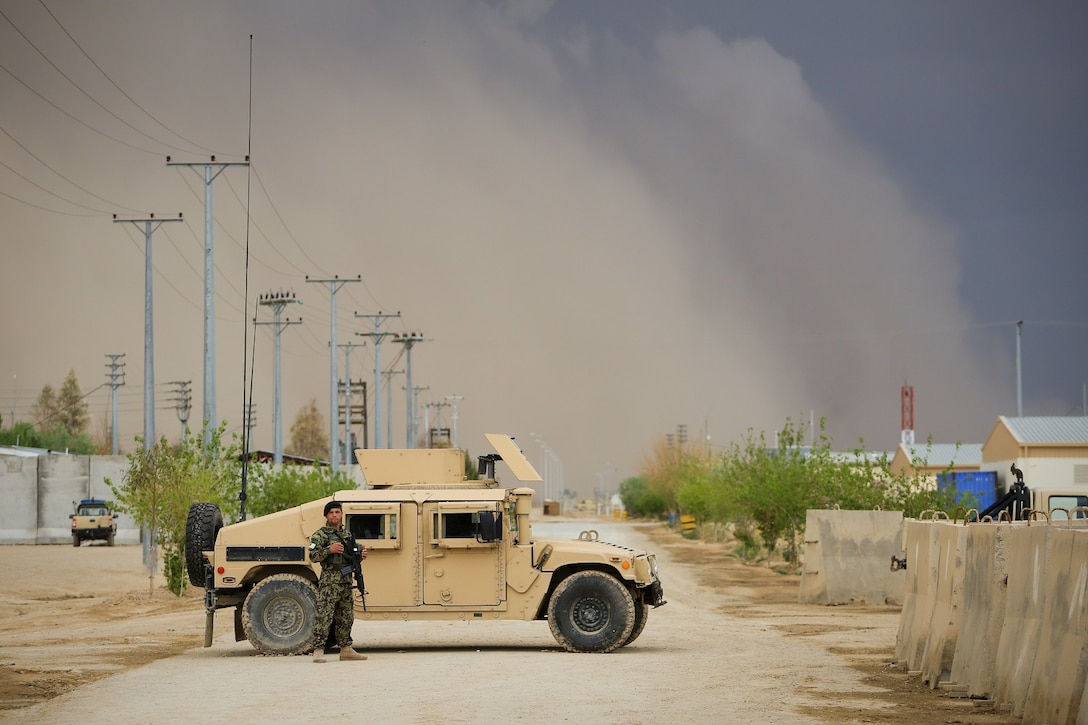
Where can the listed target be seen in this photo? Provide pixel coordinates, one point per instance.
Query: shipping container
(982, 484)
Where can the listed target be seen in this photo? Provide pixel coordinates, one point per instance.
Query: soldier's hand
(364, 553)
(336, 547)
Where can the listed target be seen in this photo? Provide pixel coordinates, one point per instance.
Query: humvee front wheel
(591, 611)
(278, 615)
(642, 613)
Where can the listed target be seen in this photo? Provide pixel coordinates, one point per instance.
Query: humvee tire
(591, 611)
(75, 539)
(109, 539)
(278, 615)
(642, 614)
(201, 528)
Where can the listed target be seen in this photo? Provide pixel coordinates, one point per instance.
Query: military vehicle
(93, 519)
(440, 547)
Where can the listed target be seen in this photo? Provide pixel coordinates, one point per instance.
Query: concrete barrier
(983, 601)
(920, 542)
(1009, 601)
(848, 557)
(18, 515)
(1028, 559)
(943, 628)
(1055, 690)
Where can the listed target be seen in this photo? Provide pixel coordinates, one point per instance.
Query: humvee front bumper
(655, 595)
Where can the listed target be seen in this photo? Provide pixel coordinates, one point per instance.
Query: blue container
(983, 484)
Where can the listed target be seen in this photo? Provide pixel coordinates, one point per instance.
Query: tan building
(935, 458)
(1052, 451)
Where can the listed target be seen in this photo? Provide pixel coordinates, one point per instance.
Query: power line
(43, 163)
(119, 89)
(78, 120)
(79, 88)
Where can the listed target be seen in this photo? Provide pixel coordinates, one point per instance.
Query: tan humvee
(440, 547)
(93, 519)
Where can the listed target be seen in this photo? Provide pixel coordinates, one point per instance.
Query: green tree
(160, 485)
(279, 488)
(45, 409)
(640, 500)
(20, 434)
(71, 407)
(766, 490)
(309, 434)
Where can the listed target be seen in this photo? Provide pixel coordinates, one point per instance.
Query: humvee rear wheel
(591, 612)
(642, 613)
(201, 528)
(278, 615)
(75, 539)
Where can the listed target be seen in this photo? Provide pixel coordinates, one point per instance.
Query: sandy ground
(81, 637)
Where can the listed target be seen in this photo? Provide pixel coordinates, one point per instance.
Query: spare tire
(201, 528)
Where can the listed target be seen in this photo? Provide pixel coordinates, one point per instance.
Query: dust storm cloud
(599, 240)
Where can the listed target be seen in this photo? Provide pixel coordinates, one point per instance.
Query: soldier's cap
(332, 505)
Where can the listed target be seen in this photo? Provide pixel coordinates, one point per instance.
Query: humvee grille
(266, 553)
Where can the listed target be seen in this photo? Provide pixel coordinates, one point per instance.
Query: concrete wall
(848, 557)
(40, 492)
(1000, 612)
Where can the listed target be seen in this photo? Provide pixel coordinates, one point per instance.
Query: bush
(275, 489)
(766, 491)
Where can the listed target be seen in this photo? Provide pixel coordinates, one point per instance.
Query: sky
(606, 220)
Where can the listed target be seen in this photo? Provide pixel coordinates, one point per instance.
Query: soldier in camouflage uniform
(334, 600)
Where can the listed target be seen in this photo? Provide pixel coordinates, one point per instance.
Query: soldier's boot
(347, 653)
(319, 654)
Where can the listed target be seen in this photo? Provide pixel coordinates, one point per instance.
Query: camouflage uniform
(334, 598)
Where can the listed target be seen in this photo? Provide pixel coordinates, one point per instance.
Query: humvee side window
(1066, 502)
(373, 528)
(457, 526)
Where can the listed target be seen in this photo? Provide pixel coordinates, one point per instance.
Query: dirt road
(80, 637)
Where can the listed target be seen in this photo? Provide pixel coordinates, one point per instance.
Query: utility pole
(334, 399)
(1019, 390)
(437, 427)
(409, 340)
(389, 404)
(212, 170)
(277, 301)
(413, 431)
(117, 379)
(354, 415)
(150, 225)
(183, 403)
(347, 348)
(377, 336)
(453, 402)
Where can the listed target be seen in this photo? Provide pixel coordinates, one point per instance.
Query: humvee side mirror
(488, 526)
